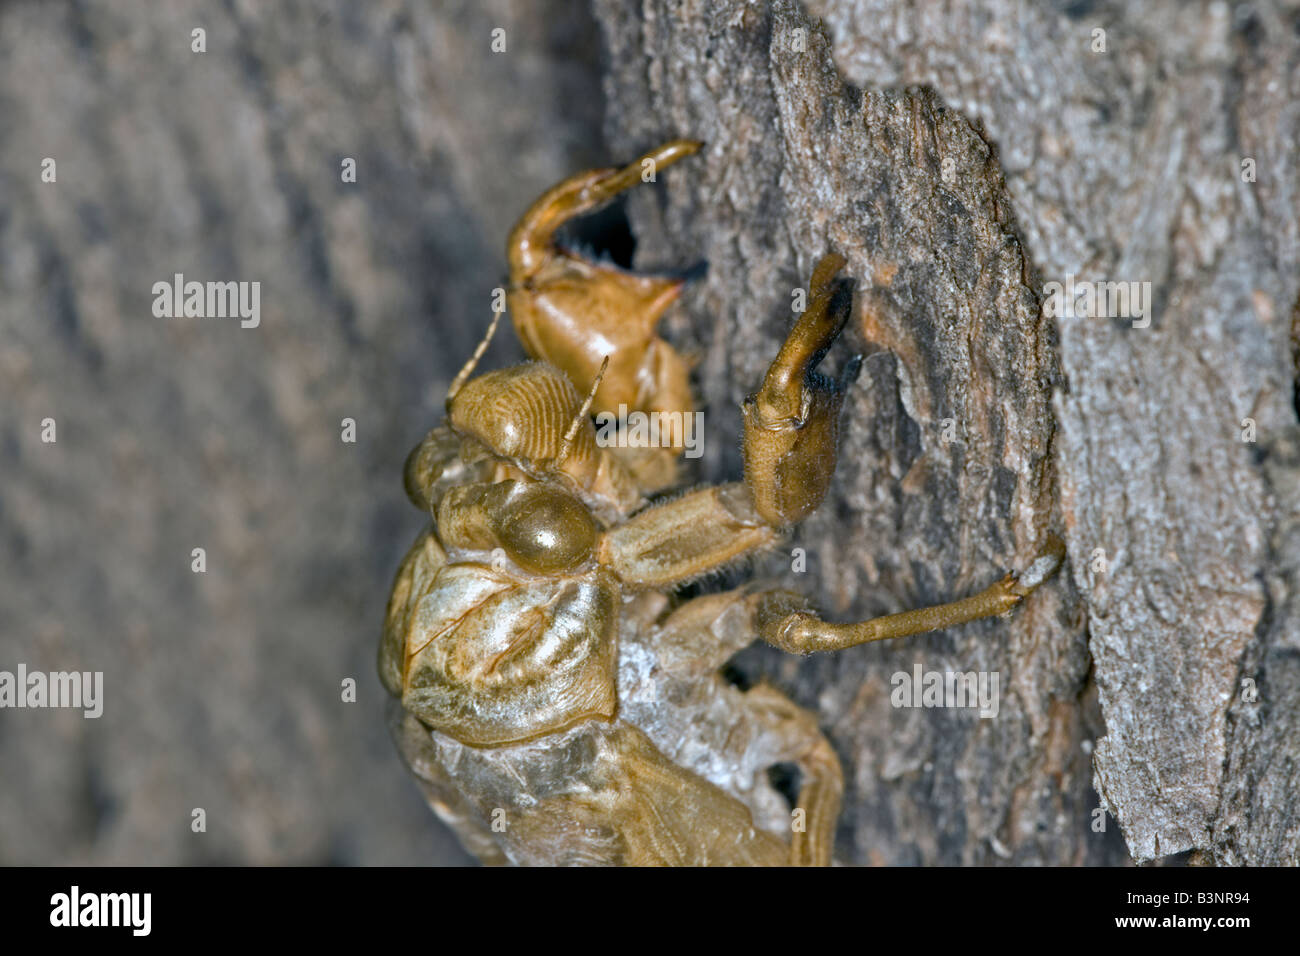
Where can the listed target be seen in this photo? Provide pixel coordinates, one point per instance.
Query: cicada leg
(577, 313)
(699, 637)
(786, 621)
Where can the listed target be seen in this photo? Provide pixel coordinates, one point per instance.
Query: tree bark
(962, 157)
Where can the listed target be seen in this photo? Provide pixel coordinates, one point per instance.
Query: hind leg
(697, 640)
(821, 787)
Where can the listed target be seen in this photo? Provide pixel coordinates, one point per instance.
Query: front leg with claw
(574, 312)
(792, 421)
(791, 434)
(791, 437)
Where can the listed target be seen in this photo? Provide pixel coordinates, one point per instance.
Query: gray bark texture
(961, 156)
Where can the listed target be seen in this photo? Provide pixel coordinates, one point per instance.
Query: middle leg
(785, 619)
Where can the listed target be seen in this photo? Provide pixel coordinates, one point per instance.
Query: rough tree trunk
(960, 155)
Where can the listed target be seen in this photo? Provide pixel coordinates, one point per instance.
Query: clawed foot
(574, 312)
(792, 421)
(1042, 567)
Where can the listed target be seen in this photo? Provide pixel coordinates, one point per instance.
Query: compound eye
(548, 531)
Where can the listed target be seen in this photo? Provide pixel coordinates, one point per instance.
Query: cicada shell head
(523, 414)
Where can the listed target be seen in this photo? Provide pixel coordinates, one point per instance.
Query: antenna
(566, 444)
(463, 375)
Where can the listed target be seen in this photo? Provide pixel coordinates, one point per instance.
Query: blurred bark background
(960, 155)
